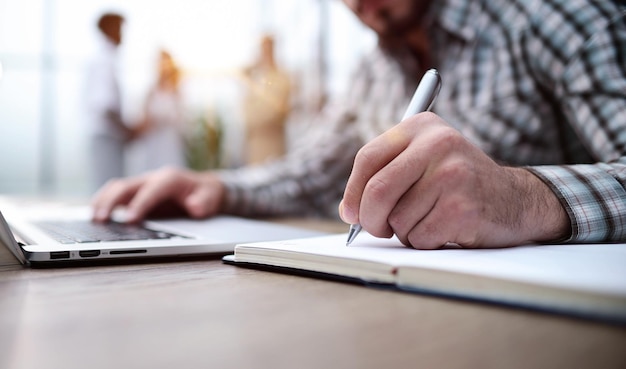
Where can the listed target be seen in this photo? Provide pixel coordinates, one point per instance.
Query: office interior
(45, 45)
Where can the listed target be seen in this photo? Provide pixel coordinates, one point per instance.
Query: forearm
(308, 181)
(257, 192)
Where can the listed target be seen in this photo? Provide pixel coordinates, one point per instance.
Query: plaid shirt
(534, 83)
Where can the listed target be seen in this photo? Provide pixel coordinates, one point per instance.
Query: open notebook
(581, 280)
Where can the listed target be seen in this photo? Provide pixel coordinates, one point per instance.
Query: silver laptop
(65, 234)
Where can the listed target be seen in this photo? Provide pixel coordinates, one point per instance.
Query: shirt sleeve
(594, 198)
(101, 95)
(592, 94)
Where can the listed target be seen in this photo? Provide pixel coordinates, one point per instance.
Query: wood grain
(207, 314)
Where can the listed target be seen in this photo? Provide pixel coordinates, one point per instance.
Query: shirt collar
(106, 44)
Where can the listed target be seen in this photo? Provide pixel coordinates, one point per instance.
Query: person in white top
(108, 134)
(162, 142)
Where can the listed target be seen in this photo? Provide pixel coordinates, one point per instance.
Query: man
(540, 84)
(108, 133)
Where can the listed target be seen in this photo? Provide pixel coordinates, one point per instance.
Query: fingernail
(347, 214)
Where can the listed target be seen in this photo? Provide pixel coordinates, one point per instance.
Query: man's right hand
(199, 194)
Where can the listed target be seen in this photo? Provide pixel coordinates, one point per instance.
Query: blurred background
(45, 46)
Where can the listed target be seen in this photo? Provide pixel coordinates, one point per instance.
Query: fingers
(452, 219)
(142, 194)
(145, 199)
(386, 170)
(113, 193)
(164, 184)
(370, 160)
(413, 207)
(421, 181)
(205, 199)
(386, 187)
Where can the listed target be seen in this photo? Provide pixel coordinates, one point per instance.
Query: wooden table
(205, 314)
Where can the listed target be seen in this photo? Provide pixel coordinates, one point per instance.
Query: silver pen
(422, 100)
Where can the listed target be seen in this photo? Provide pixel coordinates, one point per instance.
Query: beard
(393, 28)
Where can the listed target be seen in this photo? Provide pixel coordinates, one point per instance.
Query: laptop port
(60, 255)
(121, 252)
(89, 253)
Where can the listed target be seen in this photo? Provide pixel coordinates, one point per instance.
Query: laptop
(65, 234)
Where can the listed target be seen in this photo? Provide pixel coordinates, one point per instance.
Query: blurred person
(266, 106)
(162, 142)
(525, 143)
(108, 134)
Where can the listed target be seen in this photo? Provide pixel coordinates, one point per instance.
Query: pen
(422, 100)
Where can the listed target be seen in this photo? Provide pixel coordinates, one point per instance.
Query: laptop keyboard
(86, 231)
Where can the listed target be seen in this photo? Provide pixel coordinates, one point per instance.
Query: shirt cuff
(233, 198)
(594, 200)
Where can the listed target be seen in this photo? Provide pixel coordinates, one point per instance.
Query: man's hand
(427, 184)
(199, 194)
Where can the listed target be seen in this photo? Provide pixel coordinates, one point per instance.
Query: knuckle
(427, 236)
(447, 138)
(455, 172)
(429, 117)
(115, 186)
(167, 172)
(366, 155)
(377, 189)
(398, 221)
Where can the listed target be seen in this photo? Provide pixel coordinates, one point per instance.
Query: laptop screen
(8, 241)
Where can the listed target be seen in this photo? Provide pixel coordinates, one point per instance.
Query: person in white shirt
(162, 142)
(108, 134)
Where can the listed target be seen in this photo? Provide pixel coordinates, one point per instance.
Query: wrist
(217, 187)
(544, 218)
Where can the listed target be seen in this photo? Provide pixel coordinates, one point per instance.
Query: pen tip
(354, 230)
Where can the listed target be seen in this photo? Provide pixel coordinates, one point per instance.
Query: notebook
(581, 280)
(45, 235)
